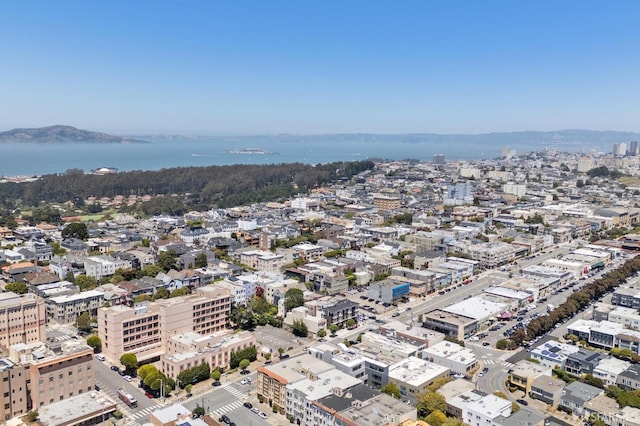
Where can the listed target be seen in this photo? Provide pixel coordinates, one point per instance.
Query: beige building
(34, 376)
(191, 349)
(385, 202)
(146, 328)
(22, 319)
(524, 373)
(272, 380)
(56, 377)
(14, 388)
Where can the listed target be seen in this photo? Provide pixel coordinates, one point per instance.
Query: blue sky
(247, 67)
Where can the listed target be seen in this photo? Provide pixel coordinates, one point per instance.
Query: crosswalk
(497, 362)
(233, 390)
(226, 408)
(139, 415)
(62, 338)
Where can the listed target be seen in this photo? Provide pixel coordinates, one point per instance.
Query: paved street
(110, 381)
(229, 398)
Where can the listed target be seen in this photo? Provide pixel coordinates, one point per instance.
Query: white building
(413, 376)
(484, 411)
(104, 266)
(458, 359)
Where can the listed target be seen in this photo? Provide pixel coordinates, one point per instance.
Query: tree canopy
(130, 361)
(18, 288)
(75, 230)
(95, 342)
(293, 298)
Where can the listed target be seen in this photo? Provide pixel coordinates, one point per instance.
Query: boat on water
(250, 151)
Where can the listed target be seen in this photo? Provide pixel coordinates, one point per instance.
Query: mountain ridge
(60, 134)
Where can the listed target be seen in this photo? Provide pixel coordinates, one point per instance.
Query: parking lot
(274, 338)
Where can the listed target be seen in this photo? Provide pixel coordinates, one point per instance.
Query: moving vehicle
(100, 357)
(550, 307)
(127, 398)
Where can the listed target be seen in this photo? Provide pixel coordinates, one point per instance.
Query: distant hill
(57, 134)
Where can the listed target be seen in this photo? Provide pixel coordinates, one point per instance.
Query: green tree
(94, 342)
(182, 291)
(149, 271)
(130, 361)
(83, 322)
(293, 298)
(32, 416)
(244, 364)
(167, 260)
(436, 418)
(350, 323)
(198, 411)
(333, 328)
(142, 298)
(430, 402)
(161, 293)
(188, 388)
(75, 230)
(17, 288)
(201, 261)
(391, 389)
(300, 329)
(280, 351)
(145, 370)
(85, 282)
(322, 333)
(596, 420)
(215, 375)
(438, 383)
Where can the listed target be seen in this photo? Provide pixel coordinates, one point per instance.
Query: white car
(263, 415)
(246, 381)
(127, 378)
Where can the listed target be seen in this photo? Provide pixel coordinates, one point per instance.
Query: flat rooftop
(76, 409)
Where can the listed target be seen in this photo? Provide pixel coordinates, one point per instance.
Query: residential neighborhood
(496, 292)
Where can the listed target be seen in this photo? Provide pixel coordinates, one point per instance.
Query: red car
(149, 395)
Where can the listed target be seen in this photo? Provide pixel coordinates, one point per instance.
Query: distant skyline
(254, 67)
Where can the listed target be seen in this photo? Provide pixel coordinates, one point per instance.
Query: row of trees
(194, 374)
(576, 301)
(224, 186)
(250, 354)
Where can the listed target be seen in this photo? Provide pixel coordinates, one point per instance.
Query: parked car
(225, 419)
(149, 395)
(248, 405)
(100, 357)
(115, 368)
(255, 410)
(245, 372)
(263, 415)
(522, 402)
(128, 378)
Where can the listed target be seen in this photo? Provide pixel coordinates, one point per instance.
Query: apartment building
(104, 266)
(54, 377)
(13, 388)
(22, 319)
(66, 308)
(272, 380)
(34, 376)
(191, 349)
(146, 328)
(492, 254)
